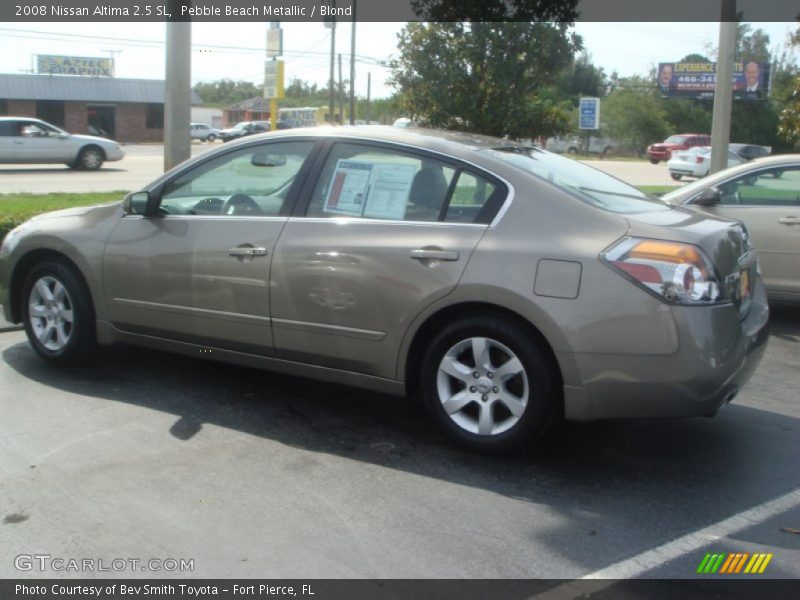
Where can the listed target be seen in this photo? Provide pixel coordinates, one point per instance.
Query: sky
(236, 50)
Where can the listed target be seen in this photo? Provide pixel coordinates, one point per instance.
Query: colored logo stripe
(734, 562)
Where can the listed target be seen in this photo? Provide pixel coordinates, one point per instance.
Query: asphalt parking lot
(146, 455)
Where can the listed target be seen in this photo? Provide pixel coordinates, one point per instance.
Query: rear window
(590, 185)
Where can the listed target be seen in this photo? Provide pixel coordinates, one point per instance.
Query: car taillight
(700, 159)
(675, 272)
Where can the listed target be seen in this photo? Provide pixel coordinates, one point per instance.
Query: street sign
(589, 115)
(274, 42)
(273, 79)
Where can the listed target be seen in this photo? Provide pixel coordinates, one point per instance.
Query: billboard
(86, 66)
(698, 79)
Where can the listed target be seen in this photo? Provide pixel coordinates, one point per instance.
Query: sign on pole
(273, 79)
(589, 115)
(274, 40)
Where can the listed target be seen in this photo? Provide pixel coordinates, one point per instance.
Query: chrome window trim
(501, 211)
(393, 222)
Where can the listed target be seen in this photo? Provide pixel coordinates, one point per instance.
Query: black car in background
(244, 129)
(750, 151)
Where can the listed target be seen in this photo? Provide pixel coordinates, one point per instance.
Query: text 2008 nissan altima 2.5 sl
(506, 285)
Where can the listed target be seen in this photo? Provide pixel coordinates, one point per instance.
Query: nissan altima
(504, 285)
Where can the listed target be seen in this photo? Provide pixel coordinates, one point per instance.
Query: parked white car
(24, 140)
(696, 162)
(203, 132)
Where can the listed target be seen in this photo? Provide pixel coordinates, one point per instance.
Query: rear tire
(676, 176)
(654, 161)
(57, 313)
(488, 386)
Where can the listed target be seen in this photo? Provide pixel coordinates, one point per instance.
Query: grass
(17, 208)
(657, 189)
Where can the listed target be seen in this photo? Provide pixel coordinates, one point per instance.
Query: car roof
(10, 118)
(425, 138)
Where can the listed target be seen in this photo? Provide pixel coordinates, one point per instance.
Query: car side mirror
(708, 197)
(139, 203)
(63, 135)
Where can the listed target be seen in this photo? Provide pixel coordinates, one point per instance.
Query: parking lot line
(637, 565)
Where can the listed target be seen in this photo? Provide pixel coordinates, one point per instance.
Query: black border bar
(700, 588)
(393, 10)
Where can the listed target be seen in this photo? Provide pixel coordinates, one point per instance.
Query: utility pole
(369, 88)
(178, 90)
(723, 91)
(331, 99)
(353, 66)
(111, 55)
(341, 93)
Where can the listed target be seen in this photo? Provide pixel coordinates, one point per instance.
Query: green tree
(482, 77)
(789, 120)
(225, 92)
(635, 115)
(581, 78)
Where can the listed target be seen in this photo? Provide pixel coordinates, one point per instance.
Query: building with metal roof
(127, 110)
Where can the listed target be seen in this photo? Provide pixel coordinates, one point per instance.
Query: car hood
(231, 130)
(93, 138)
(77, 211)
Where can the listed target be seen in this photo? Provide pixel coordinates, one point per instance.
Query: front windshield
(588, 184)
(675, 139)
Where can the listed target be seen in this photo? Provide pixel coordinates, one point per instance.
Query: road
(250, 474)
(144, 163)
(141, 165)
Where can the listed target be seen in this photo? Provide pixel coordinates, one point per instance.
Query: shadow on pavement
(626, 483)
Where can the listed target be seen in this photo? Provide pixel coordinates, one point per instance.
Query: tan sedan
(765, 195)
(505, 285)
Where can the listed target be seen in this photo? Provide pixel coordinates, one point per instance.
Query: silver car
(765, 195)
(505, 285)
(203, 132)
(24, 140)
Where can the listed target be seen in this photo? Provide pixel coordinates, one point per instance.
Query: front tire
(654, 161)
(58, 314)
(211, 138)
(90, 159)
(676, 176)
(487, 385)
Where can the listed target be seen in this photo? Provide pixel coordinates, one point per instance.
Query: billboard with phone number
(698, 79)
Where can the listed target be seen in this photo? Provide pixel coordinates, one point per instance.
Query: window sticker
(349, 187)
(388, 195)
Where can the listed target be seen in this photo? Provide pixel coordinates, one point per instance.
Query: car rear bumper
(717, 355)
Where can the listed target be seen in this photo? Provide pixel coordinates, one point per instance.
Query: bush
(15, 209)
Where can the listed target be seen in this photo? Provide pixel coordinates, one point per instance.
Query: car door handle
(247, 251)
(789, 220)
(423, 254)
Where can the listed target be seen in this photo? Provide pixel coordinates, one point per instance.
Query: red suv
(682, 141)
